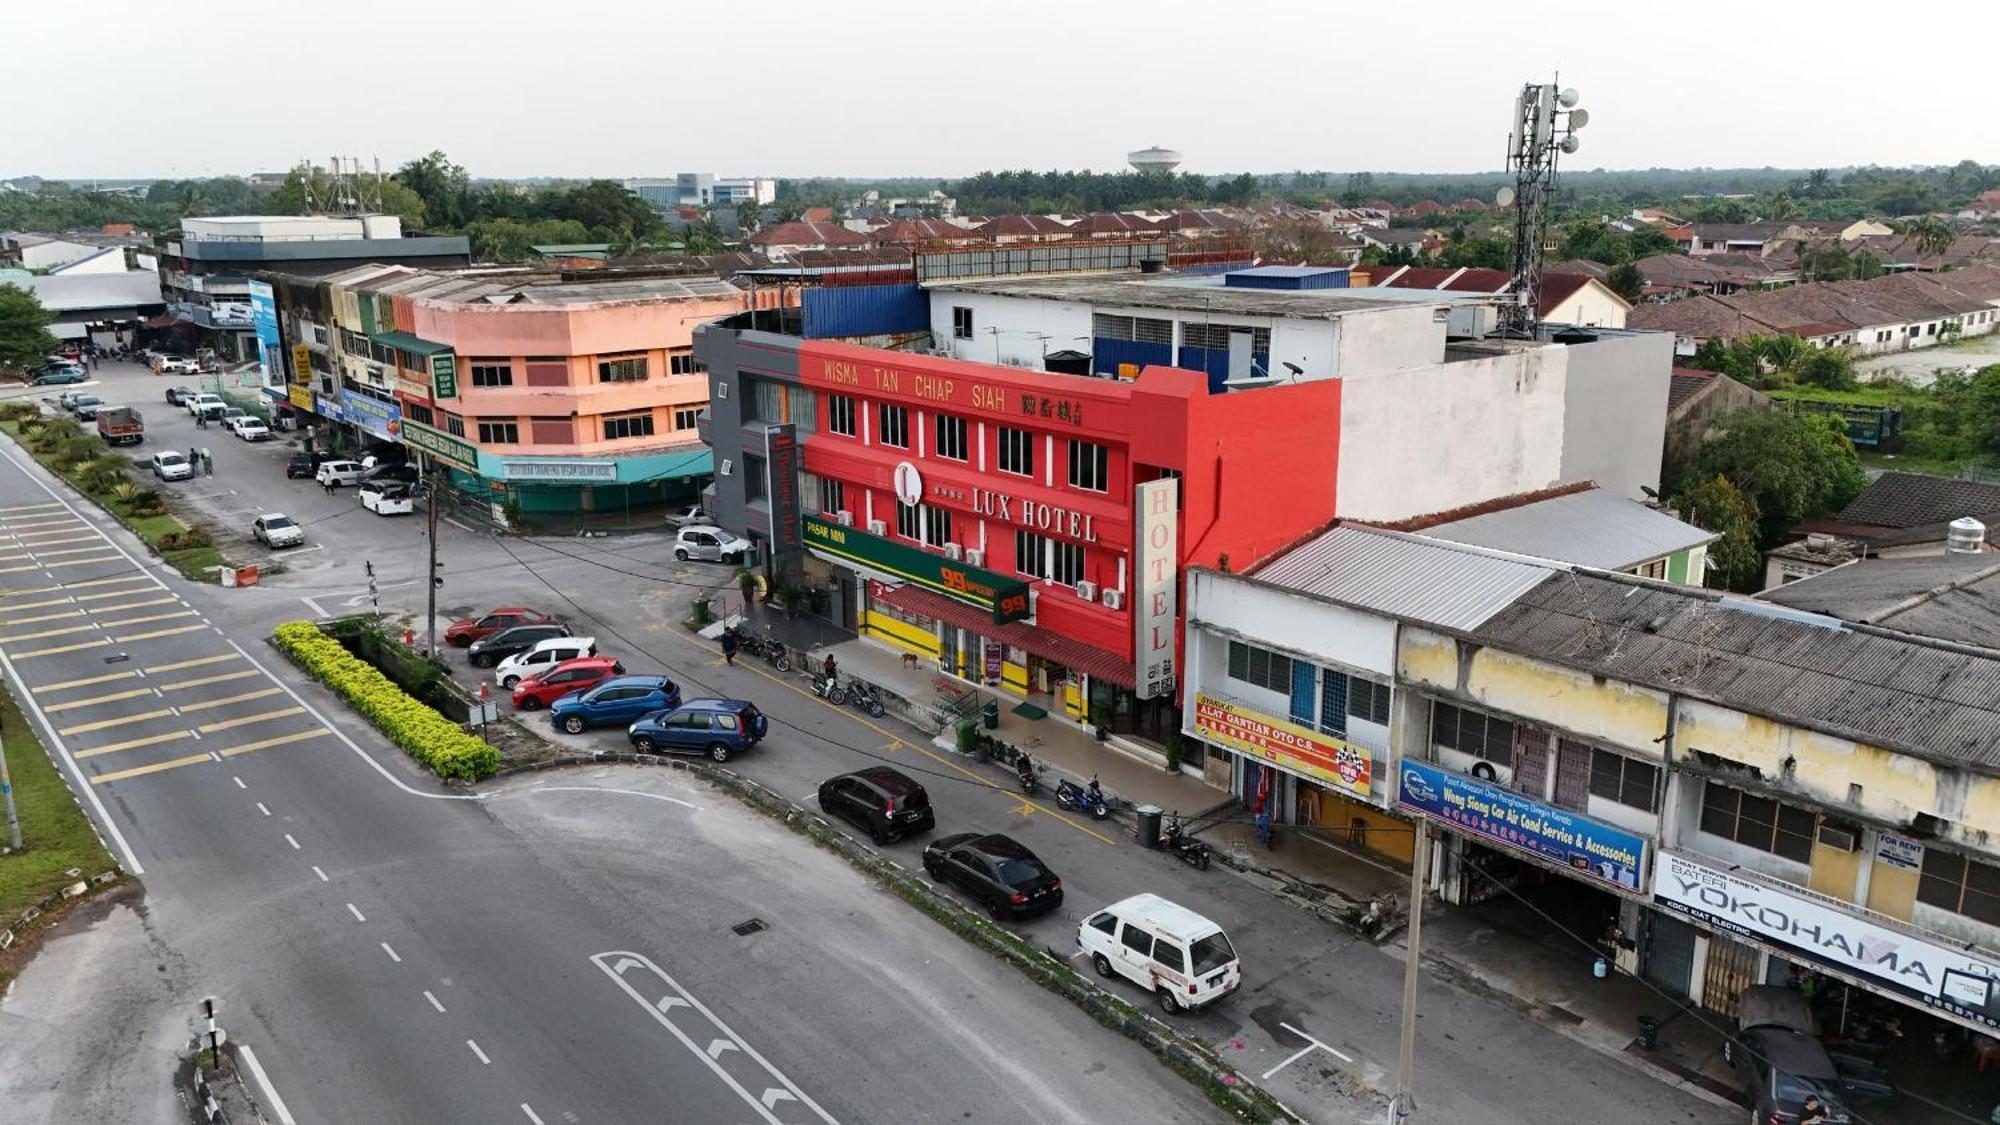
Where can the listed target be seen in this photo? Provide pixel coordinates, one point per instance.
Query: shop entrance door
(1669, 960)
(1732, 967)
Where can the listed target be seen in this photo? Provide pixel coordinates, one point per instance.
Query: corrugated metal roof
(1931, 703)
(1591, 528)
(78, 292)
(1404, 575)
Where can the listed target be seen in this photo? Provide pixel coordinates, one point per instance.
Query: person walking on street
(328, 485)
(729, 646)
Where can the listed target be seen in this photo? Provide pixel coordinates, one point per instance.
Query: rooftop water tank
(1966, 536)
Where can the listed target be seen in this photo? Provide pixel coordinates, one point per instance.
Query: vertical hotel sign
(1156, 591)
(781, 461)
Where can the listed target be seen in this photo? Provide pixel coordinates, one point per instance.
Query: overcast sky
(130, 88)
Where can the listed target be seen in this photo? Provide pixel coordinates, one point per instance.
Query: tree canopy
(1790, 465)
(24, 328)
(1714, 504)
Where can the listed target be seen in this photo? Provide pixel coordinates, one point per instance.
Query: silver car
(710, 544)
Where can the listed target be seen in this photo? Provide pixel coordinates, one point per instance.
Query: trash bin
(1649, 1033)
(1149, 825)
(990, 714)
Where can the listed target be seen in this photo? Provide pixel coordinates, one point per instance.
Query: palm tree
(190, 199)
(1929, 234)
(1819, 183)
(1781, 206)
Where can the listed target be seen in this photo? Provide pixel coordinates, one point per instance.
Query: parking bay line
(99, 643)
(43, 605)
(195, 663)
(91, 701)
(72, 611)
(83, 562)
(86, 728)
(65, 631)
(151, 617)
(226, 700)
(156, 767)
(134, 744)
(41, 554)
(108, 677)
(280, 740)
(168, 600)
(174, 632)
(199, 681)
(246, 720)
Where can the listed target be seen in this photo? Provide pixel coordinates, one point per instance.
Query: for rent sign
(1956, 982)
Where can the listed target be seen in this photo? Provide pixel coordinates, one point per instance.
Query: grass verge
(59, 846)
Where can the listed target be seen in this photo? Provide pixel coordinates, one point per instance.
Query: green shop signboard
(1006, 597)
(441, 445)
(444, 375)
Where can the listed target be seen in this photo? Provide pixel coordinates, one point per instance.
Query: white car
(709, 544)
(388, 497)
(249, 427)
(172, 465)
(337, 473)
(690, 516)
(172, 366)
(1179, 956)
(205, 402)
(274, 529)
(542, 657)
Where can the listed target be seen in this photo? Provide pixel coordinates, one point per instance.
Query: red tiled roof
(804, 233)
(1111, 222)
(1066, 651)
(906, 231)
(818, 215)
(1022, 224)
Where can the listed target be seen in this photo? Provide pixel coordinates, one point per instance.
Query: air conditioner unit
(877, 527)
(1087, 591)
(844, 519)
(1114, 599)
(975, 557)
(953, 551)
(728, 467)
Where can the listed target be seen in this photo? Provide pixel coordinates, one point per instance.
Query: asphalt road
(390, 951)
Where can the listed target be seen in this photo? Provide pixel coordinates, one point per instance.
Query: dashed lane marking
(228, 699)
(246, 720)
(99, 643)
(108, 677)
(92, 701)
(141, 771)
(195, 663)
(161, 633)
(86, 728)
(199, 681)
(134, 744)
(281, 740)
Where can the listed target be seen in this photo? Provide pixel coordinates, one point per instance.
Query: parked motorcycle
(776, 654)
(747, 643)
(1076, 798)
(1178, 840)
(865, 697)
(1030, 777)
(829, 689)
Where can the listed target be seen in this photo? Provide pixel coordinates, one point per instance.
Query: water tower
(1155, 159)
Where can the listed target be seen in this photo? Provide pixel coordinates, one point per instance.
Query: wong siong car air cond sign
(1956, 982)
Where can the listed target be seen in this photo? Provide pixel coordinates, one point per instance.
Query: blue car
(715, 727)
(55, 374)
(620, 699)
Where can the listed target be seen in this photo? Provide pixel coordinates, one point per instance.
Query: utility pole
(429, 477)
(1405, 1102)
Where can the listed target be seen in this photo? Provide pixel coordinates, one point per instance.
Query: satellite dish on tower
(1569, 145)
(1578, 118)
(1504, 197)
(1567, 98)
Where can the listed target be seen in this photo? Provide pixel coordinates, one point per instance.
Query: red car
(537, 692)
(469, 629)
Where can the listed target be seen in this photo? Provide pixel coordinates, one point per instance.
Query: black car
(488, 651)
(1781, 1064)
(177, 396)
(392, 471)
(885, 803)
(303, 466)
(998, 872)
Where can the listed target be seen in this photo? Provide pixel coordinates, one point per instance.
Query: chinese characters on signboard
(1589, 848)
(1156, 586)
(781, 461)
(1288, 746)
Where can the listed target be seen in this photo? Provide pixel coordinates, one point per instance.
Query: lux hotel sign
(1157, 587)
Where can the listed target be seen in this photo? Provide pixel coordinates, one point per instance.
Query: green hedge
(433, 740)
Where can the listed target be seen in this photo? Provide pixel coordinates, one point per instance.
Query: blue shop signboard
(1592, 849)
(375, 416)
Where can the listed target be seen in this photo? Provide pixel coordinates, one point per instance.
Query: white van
(1185, 959)
(542, 657)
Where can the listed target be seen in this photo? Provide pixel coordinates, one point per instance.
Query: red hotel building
(1023, 529)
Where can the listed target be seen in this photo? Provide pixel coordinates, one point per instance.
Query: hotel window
(684, 417)
(1472, 732)
(832, 495)
(961, 322)
(1017, 451)
(1260, 667)
(1960, 885)
(951, 437)
(895, 426)
(1764, 823)
(909, 521)
(1089, 466)
(499, 433)
(628, 425)
(492, 375)
(1065, 562)
(840, 414)
(1615, 777)
(1031, 556)
(454, 425)
(684, 364)
(937, 525)
(629, 370)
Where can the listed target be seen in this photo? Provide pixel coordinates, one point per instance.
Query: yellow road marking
(124, 621)
(86, 728)
(47, 633)
(51, 521)
(248, 719)
(23, 538)
(149, 740)
(115, 581)
(160, 633)
(13, 569)
(156, 767)
(44, 605)
(68, 684)
(41, 554)
(83, 562)
(127, 605)
(200, 680)
(113, 697)
(22, 543)
(70, 612)
(31, 507)
(99, 643)
(896, 739)
(281, 740)
(28, 590)
(195, 663)
(14, 558)
(228, 699)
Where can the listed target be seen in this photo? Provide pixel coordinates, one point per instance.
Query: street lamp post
(1404, 1103)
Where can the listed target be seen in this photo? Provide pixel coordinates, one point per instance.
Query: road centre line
(321, 874)
(238, 781)
(195, 663)
(482, 1054)
(227, 724)
(86, 728)
(92, 701)
(356, 911)
(262, 809)
(531, 1114)
(201, 680)
(392, 953)
(293, 841)
(434, 1001)
(134, 744)
(226, 700)
(141, 771)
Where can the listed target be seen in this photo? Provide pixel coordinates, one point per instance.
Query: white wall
(1437, 437)
(1591, 307)
(48, 255)
(1312, 344)
(1384, 339)
(1615, 413)
(113, 262)
(1329, 634)
(1022, 323)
